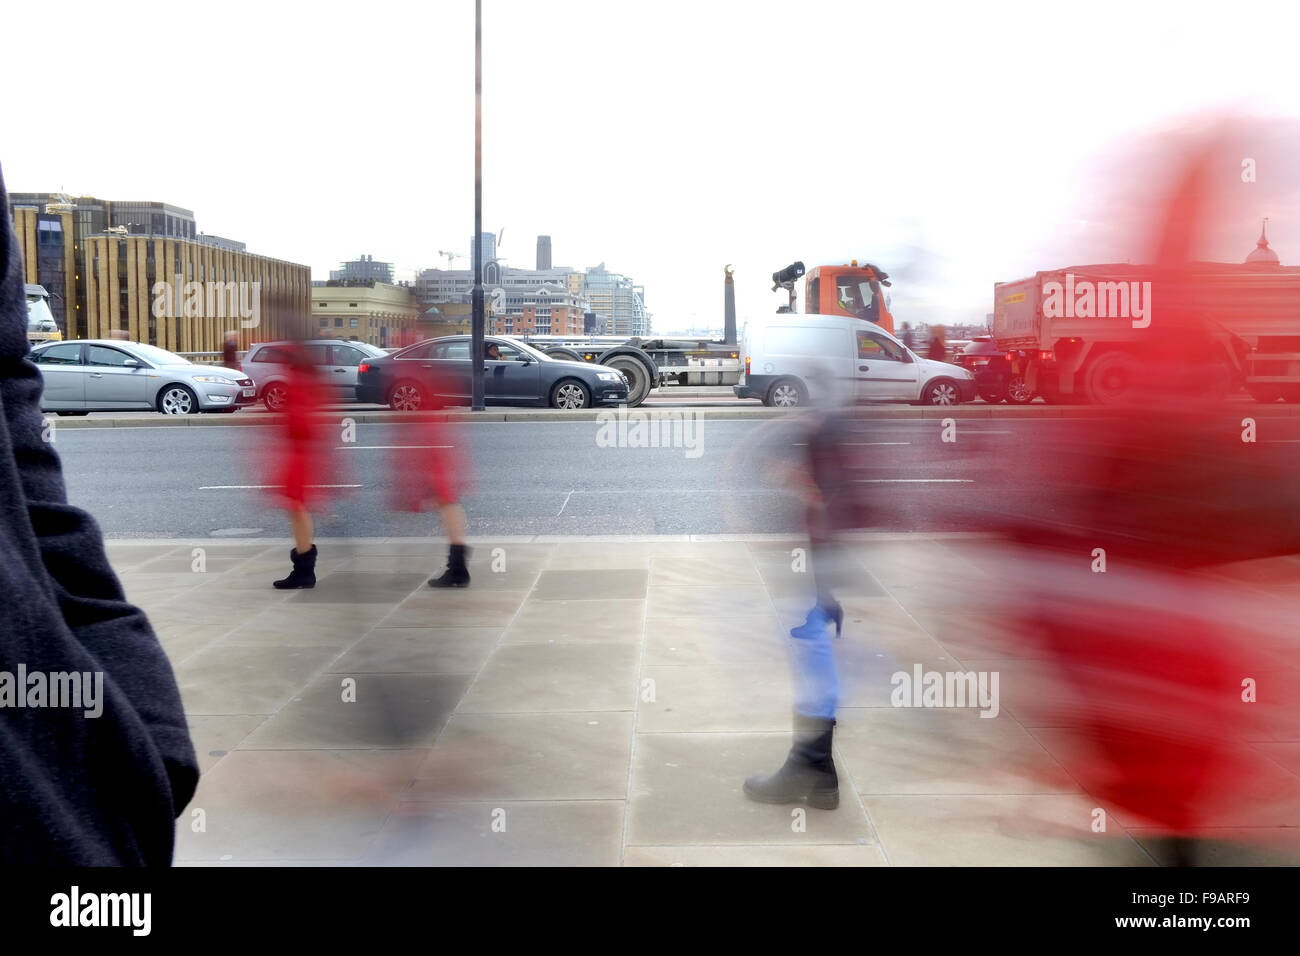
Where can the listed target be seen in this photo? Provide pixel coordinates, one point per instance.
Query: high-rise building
(489, 249)
(543, 253)
(619, 300)
(365, 269)
(143, 269)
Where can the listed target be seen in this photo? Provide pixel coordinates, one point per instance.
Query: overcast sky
(953, 144)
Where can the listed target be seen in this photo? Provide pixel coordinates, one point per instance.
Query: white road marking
(342, 447)
(566, 502)
(246, 487)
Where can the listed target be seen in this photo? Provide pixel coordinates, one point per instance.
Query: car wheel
(786, 393)
(274, 396)
(638, 379)
(1018, 393)
(177, 400)
(992, 397)
(570, 393)
(406, 397)
(1112, 377)
(1268, 394)
(941, 392)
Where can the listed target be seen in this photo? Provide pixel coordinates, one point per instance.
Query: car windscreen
(157, 356)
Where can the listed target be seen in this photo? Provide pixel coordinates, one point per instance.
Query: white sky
(954, 144)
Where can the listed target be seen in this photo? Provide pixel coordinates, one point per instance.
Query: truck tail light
(746, 366)
(1011, 356)
(1047, 355)
(363, 367)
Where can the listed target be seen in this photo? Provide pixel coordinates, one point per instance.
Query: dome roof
(1262, 254)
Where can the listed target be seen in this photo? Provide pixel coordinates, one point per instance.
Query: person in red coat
(434, 469)
(304, 462)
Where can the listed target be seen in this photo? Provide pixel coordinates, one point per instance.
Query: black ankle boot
(303, 574)
(457, 574)
(808, 775)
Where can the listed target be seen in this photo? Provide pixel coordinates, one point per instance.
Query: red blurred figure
(304, 461)
(433, 468)
(1151, 654)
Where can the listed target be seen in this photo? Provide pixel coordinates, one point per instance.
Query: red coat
(303, 457)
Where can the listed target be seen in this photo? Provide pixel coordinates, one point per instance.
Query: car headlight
(609, 376)
(214, 380)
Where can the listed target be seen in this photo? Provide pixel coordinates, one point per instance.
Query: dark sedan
(998, 373)
(513, 374)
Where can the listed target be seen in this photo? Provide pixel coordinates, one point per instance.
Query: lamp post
(476, 330)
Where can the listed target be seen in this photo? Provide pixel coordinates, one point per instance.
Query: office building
(363, 310)
(364, 268)
(619, 300)
(143, 269)
(543, 253)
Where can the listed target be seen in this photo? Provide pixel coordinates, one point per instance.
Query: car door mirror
(131, 363)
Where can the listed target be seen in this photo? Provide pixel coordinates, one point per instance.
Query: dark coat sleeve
(71, 548)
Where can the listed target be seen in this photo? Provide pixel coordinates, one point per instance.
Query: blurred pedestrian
(433, 468)
(938, 346)
(98, 784)
(909, 337)
(230, 351)
(826, 479)
(304, 461)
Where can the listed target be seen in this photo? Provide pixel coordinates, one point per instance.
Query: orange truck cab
(850, 290)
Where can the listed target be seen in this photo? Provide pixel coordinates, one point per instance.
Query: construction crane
(451, 256)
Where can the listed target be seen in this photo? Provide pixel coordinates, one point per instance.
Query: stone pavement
(600, 701)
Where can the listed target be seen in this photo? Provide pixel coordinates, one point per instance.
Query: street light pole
(476, 331)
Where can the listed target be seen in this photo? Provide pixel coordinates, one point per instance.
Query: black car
(514, 374)
(998, 372)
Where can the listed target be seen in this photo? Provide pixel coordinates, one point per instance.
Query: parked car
(336, 360)
(793, 359)
(405, 380)
(997, 373)
(108, 375)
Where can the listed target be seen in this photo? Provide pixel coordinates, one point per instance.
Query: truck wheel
(567, 354)
(786, 393)
(1111, 378)
(638, 378)
(941, 392)
(1018, 393)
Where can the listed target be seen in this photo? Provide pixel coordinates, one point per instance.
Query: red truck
(1082, 333)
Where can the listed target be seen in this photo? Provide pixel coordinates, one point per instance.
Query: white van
(794, 359)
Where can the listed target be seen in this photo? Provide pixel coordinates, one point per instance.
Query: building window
(353, 323)
(352, 305)
(338, 323)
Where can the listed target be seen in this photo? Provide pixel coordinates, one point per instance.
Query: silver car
(108, 375)
(335, 359)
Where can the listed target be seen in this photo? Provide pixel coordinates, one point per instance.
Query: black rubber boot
(303, 574)
(808, 775)
(457, 574)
